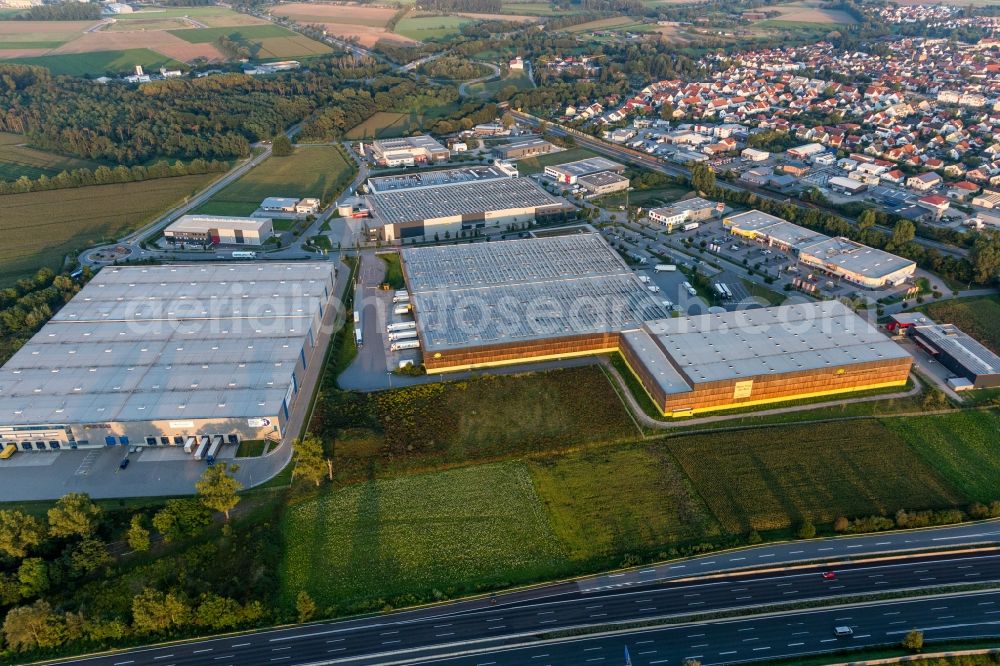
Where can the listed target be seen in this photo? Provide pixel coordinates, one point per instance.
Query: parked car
(123, 464)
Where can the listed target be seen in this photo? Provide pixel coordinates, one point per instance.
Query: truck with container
(213, 450)
(665, 268)
(401, 292)
(401, 326)
(689, 289)
(244, 254)
(358, 339)
(402, 335)
(644, 279)
(690, 226)
(189, 444)
(405, 344)
(405, 298)
(402, 309)
(202, 448)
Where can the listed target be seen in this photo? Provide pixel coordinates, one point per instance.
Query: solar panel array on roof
(488, 293)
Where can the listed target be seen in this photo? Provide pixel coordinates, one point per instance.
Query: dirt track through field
(367, 24)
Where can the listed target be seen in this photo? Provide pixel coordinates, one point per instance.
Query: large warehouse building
(456, 207)
(955, 349)
(570, 172)
(156, 354)
(410, 150)
(497, 303)
(707, 362)
(842, 257)
(502, 303)
(218, 230)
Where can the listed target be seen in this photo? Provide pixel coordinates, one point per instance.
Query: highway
(761, 638)
(656, 164)
(445, 630)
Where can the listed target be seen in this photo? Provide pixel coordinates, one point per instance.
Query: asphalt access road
(441, 631)
(974, 615)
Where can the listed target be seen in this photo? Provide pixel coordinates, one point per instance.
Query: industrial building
(602, 183)
(974, 364)
(408, 151)
(289, 205)
(454, 208)
(694, 209)
(842, 257)
(571, 171)
(482, 305)
(412, 181)
(518, 150)
(488, 304)
(849, 186)
(219, 230)
(701, 363)
(157, 354)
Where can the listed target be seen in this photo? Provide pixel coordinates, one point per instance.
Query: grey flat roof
(968, 351)
(791, 234)
(855, 257)
(524, 143)
(204, 223)
(500, 292)
(791, 338)
(601, 178)
(408, 181)
(656, 363)
(586, 166)
(753, 220)
(429, 203)
(144, 343)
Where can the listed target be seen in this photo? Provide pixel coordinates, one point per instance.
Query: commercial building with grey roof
(156, 354)
(504, 302)
(865, 266)
(571, 171)
(726, 360)
(458, 207)
(953, 348)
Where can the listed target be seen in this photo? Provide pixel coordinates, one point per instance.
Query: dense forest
(450, 67)
(215, 117)
(104, 175)
(26, 306)
(66, 11)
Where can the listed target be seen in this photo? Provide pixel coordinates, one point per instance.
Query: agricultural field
(101, 62)
(421, 28)
(389, 124)
(310, 171)
(804, 12)
(40, 228)
(532, 165)
(151, 38)
(614, 23)
(366, 24)
(773, 478)
(450, 532)
(536, 9)
(517, 78)
(585, 493)
(962, 447)
(17, 159)
(978, 316)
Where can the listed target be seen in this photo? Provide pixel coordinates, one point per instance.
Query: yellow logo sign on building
(743, 389)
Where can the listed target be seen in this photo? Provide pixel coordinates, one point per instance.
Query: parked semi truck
(403, 335)
(244, 254)
(189, 444)
(214, 449)
(668, 268)
(401, 309)
(401, 326)
(405, 344)
(405, 298)
(202, 448)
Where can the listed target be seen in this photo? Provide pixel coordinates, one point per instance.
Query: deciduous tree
(311, 463)
(914, 640)
(156, 612)
(34, 626)
(218, 490)
(181, 518)
(138, 535)
(305, 606)
(19, 533)
(74, 515)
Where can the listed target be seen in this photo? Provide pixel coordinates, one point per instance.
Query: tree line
(104, 175)
(61, 574)
(478, 6)
(26, 306)
(215, 117)
(64, 11)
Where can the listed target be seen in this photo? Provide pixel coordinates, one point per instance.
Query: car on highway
(829, 575)
(843, 632)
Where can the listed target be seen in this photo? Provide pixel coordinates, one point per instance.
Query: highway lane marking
(450, 633)
(648, 571)
(863, 636)
(163, 656)
(596, 659)
(644, 642)
(390, 642)
(486, 663)
(388, 633)
(789, 592)
(739, 589)
(937, 608)
(441, 626)
(766, 555)
(736, 559)
(856, 546)
(694, 636)
(699, 645)
(761, 648)
(279, 649)
(494, 619)
(539, 656)
(332, 640)
(695, 594)
(652, 608)
(591, 649)
(750, 640)
(784, 584)
(539, 612)
(946, 617)
(547, 621)
(729, 652)
(742, 598)
(801, 633)
(746, 629)
(795, 644)
(696, 603)
(245, 644)
(793, 552)
(593, 607)
(279, 658)
(841, 619)
(985, 603)
(884, 543)
(598, 615)
(647, 652)
(336, 649)
(827, 640)
(202, 650)
(824, 549)
(122, 663)
(224, 656)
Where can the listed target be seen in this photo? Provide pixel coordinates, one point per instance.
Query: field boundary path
(463, 89)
